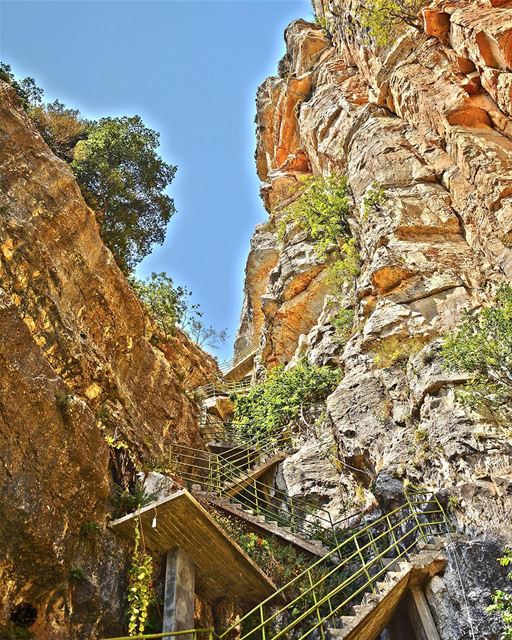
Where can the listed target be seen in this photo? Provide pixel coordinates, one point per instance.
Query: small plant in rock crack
(481, 346)
(90, 530)
(126, 500)
(502, 600)
(76, 575)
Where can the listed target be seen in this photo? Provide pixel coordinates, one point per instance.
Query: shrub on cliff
(28, 91)
(123, 179)
(482, 347)
(271, 405)
(386, 19)
(61, 127)
(169, 306)
(322, 210)
(502, 600)
(165, 302)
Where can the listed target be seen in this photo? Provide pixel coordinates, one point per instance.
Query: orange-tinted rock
(77, 362)
(436, 23)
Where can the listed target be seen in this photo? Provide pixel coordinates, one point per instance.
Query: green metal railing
(242, 355)
(226, 477)
(195, 634)
(329, 587)
(315, 599)
(221, 388)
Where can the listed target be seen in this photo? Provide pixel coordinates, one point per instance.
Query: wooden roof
(222, 568)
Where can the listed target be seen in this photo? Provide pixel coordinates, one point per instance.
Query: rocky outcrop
(427, 118)
(79, 360)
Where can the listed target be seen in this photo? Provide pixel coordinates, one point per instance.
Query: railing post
(333, 529)
(376, 548)
(392, 532)
(318, 614)
(415, 515)
(367, 573)
(262, 618)
(256, 498)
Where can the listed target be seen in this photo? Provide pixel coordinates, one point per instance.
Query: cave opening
(23, 615)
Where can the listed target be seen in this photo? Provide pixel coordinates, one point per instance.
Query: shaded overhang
(222, 568)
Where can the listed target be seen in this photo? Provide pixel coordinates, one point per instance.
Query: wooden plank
(222, 567)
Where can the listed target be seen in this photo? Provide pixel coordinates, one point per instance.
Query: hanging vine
(140, 589)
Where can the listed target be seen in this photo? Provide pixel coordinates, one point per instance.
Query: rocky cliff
(427, 120)
(84, 379)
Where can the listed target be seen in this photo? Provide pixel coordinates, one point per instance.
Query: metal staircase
(232, 479)
(339, 592)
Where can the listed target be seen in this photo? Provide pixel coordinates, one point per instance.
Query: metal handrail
(227, 365)
(404, 533)
(221, 387)
(167, 634)
(231, 472)
(223, 478)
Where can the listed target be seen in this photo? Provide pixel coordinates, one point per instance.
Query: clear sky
(190, 69)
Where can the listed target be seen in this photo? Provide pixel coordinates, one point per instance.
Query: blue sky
(190, 68)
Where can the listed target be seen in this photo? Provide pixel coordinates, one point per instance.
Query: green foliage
(90, 530)
(396, 350)
(344, 270)
(343, 323)
(322, 210)
(61, 127)
(271, 405)
(281, 562)
(169, 306)
(123, 179)
(482, 347)
(375, 196)
(453, 503)
(126, 500)
(386, 19)
(140, 588)
(28, 92)
(502, 601)
(76, 575)
(166, 302)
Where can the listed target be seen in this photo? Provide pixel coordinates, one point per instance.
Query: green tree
(28, 91)
(123, 179)
(165, 302)
(169, 305)
(322, 210)
(482, 347)
(271, 405)
(386, 19)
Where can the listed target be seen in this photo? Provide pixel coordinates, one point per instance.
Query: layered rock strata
(79, 360)
(427, 120)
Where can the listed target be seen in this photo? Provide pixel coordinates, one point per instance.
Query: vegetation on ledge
(482, 347)
(271, 405)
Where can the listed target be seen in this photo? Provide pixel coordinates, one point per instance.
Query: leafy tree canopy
(164, 301)
(482, 347)
(170, 306)
(386, 19)
(271, 405)
(27, 90)
(123, 180)
(321, 209)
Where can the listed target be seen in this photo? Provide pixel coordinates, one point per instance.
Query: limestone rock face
(77, 360)
(427, 118)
